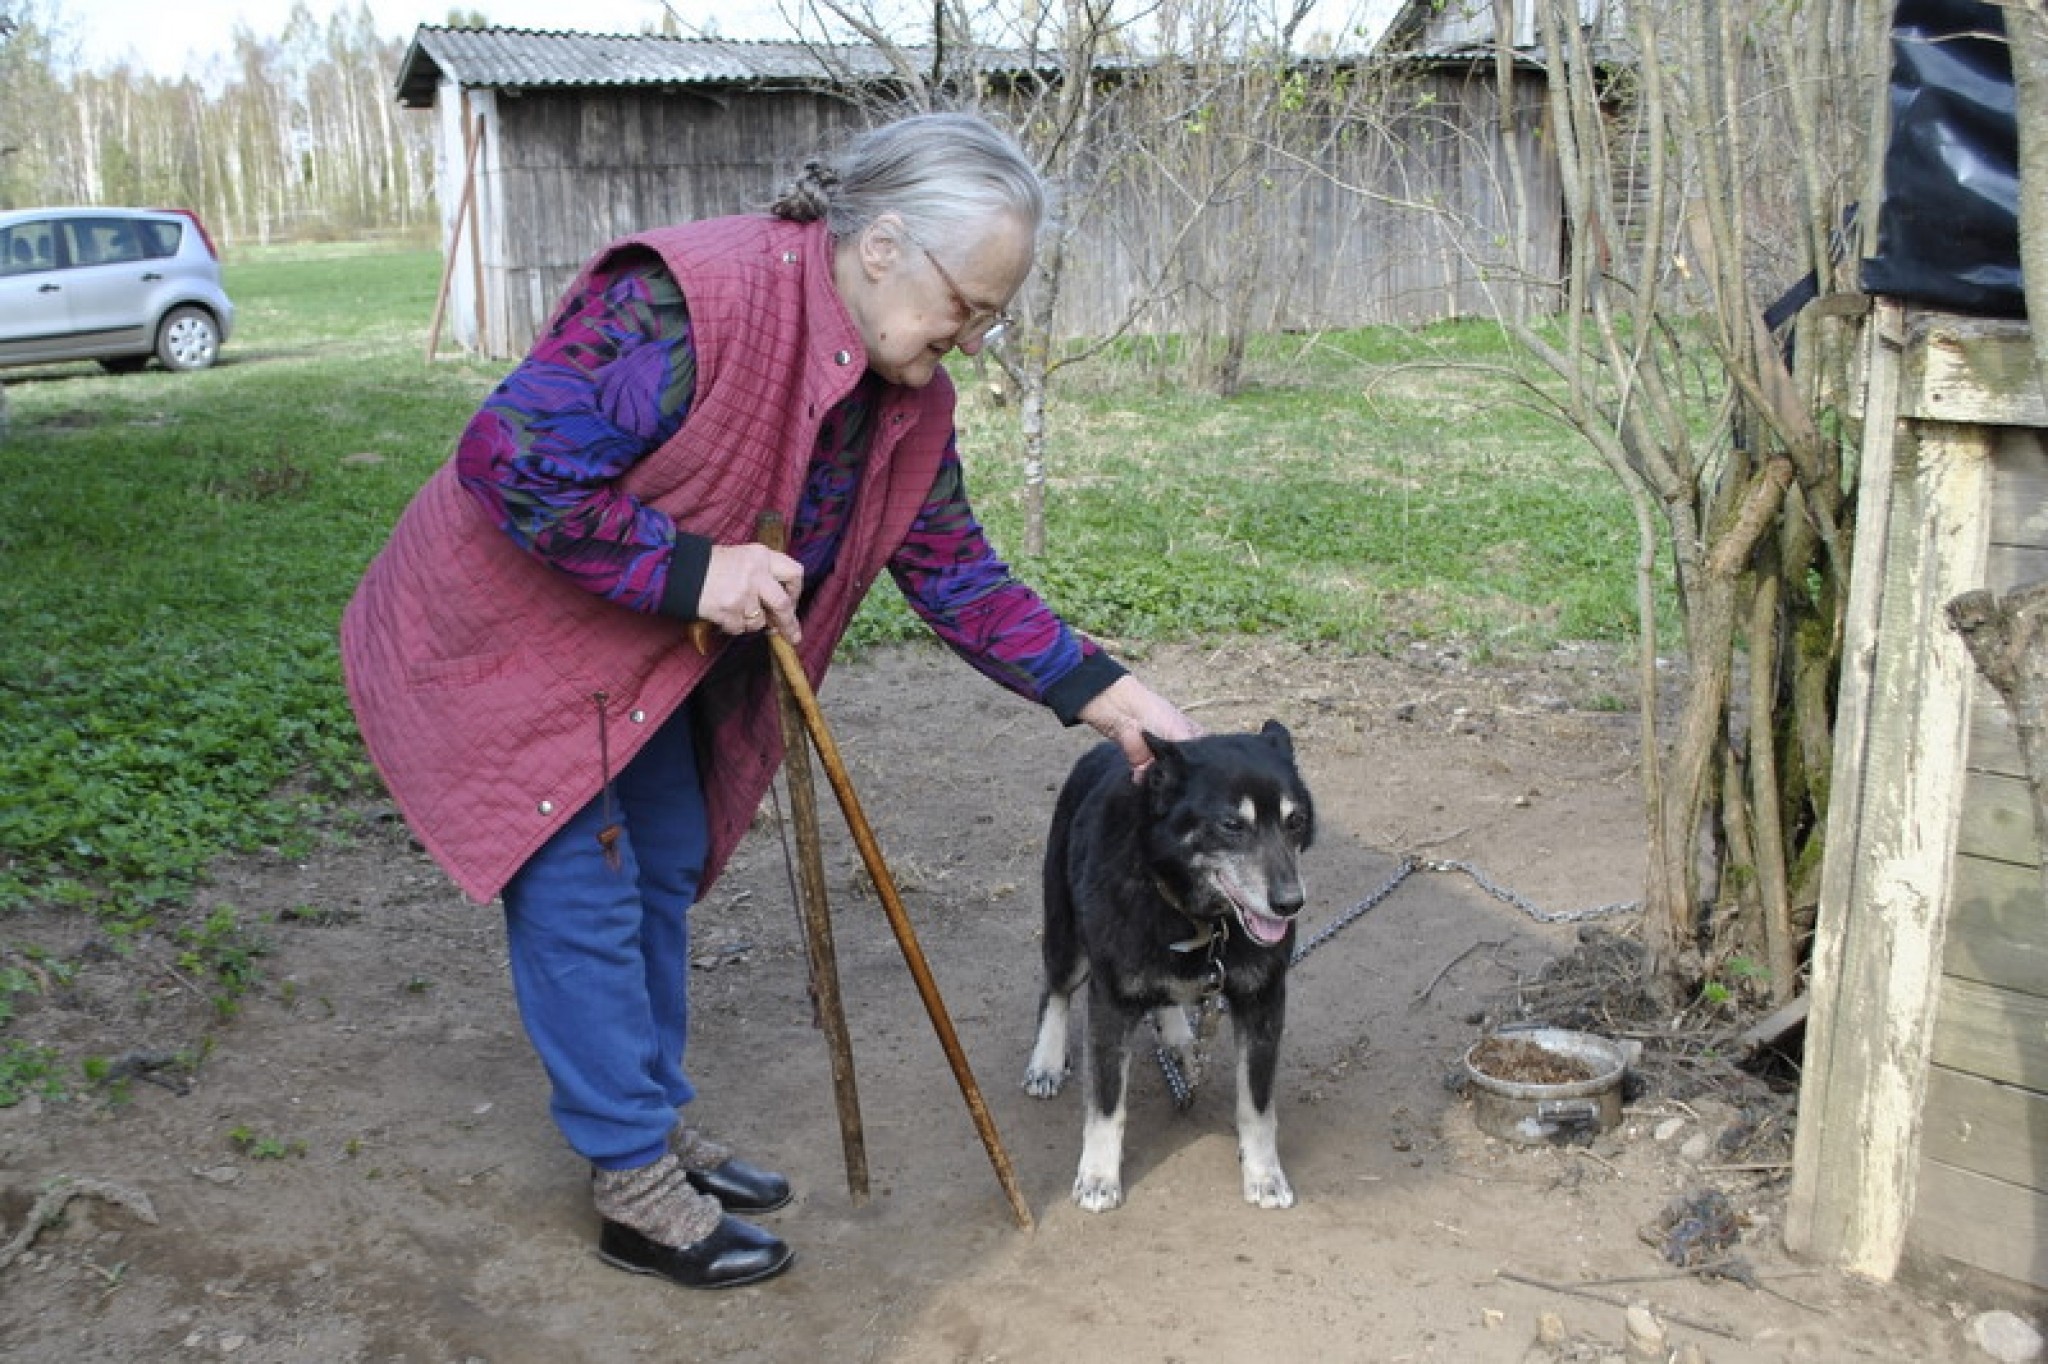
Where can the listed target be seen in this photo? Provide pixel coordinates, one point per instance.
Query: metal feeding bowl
(1545, 1086)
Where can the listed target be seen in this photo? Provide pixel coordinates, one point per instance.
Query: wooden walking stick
(796, 691)
(816, 914)
(899, 920)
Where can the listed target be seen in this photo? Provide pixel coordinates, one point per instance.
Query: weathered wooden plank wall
(565, 172)
(1361, 218)
(1982, 1198)
(574, 171)
(1924, 1102)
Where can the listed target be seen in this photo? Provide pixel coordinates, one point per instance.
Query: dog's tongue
(1264, 927)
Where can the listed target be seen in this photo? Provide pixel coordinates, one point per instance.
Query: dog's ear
(1275, 733)
(1161, 748)
(1168, 763)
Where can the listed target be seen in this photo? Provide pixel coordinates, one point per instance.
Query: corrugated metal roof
(526, 59)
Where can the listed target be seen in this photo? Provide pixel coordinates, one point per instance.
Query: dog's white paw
(1267, 1186)
(1046, 1070)
(1044, 1084)
(1098, 1194)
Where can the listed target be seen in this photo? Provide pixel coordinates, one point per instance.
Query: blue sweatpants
(601, 955)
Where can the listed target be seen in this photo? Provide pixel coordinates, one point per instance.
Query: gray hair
(943, 174)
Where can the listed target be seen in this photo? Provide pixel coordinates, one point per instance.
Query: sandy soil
(360, 1166)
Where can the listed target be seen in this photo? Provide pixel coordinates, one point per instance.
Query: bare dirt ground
(360, 1167)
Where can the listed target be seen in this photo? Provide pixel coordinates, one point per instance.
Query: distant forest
(296, 136)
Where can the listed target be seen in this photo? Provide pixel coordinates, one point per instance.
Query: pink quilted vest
(478, 674)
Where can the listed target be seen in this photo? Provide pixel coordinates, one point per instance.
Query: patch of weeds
(1738, 977)
(313, 916)
(224, 952)
(108, 1077)
(115, 1076)
(13, 981)
(27, 1069)
(278, 478)
(36, 973)
(257, 1146)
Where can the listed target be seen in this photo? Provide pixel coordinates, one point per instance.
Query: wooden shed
(1923, 1116)
(550, 144)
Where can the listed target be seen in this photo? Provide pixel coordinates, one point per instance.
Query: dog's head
(1227, 818)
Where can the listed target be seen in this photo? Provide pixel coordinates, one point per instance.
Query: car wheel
(124, 364)
(188, 340)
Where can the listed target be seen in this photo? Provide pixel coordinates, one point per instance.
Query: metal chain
(1183, 1090)
(1547, 916)
(1409, 866)
(1179, 1085)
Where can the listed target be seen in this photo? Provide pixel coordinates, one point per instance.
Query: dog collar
(1210, 937)
(1205, 929)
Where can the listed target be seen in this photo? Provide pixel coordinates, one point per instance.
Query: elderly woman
(518, 655)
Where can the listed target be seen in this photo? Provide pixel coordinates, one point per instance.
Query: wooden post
(1892, 825)
(475, 139)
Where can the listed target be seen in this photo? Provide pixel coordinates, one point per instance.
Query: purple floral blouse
(614, 379)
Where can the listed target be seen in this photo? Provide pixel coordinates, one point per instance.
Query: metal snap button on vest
(844, 357)
(789, 258)
(638, 717)
(546, 807)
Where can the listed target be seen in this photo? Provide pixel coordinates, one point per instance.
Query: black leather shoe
(734, 1253)
(739, 1187)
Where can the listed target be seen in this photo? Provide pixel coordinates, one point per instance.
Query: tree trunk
(1031, 421)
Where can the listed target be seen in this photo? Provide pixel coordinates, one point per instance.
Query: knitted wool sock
(656, 1201)
(695, 1150)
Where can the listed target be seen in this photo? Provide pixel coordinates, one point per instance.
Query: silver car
(116, 285)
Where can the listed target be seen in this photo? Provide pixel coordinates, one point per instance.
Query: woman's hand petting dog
(1127, 710)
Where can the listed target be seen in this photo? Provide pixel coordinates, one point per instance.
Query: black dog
(1163, 893)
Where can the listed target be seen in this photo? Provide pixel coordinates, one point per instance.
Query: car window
(159, 239)
(25, 247)
(103, 241)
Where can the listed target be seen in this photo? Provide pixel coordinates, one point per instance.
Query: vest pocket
(447, 674)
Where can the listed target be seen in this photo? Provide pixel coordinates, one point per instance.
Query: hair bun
(810, 197)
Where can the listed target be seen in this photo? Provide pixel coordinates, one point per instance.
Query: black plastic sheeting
(1948, 228)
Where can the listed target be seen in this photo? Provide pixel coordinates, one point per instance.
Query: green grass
(179, 547)
(1364, 490)
(173, 571)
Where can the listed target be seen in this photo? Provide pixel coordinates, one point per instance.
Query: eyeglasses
(980, 323)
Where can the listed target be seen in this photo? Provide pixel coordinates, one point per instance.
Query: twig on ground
(1612, 1300)
(1438, 978)
(175, 974)
(51, 1205)
(1697, 1272)
(1598, 1159)
(1753, 1167)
